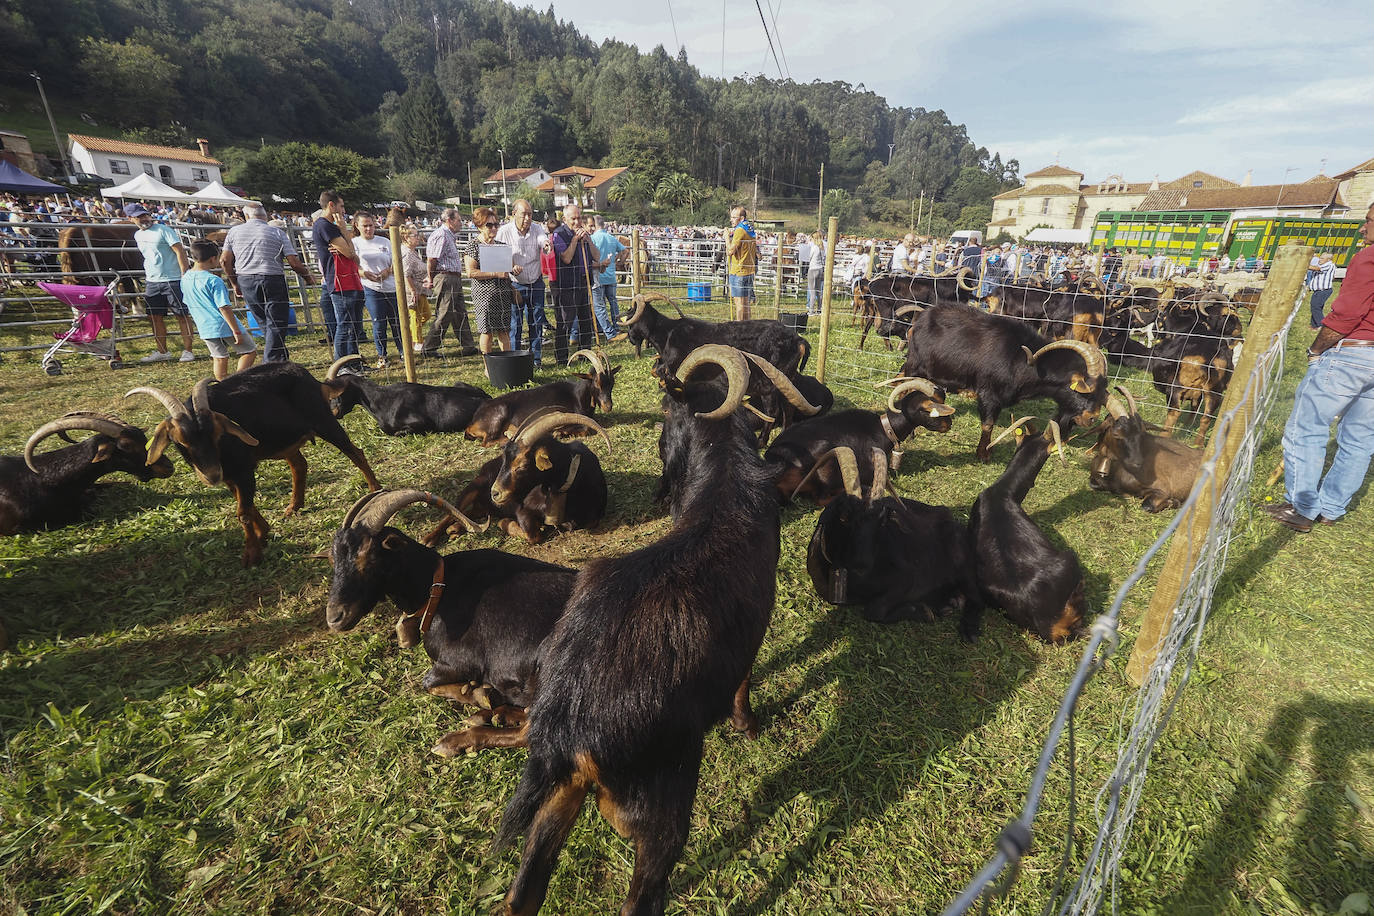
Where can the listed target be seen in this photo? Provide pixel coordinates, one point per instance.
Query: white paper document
(495, 258)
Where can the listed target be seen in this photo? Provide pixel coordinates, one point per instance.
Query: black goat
(654, 648)
(1003, 362)
(406, 408)
(878, 300)
(497, 420)
(1039, 586)
(225, 430)
(538, 482)
(1131, 461)
(898, 558)
(54, 489)
(1191, 364)
(913, 404)
(763, 337)
(483, 615)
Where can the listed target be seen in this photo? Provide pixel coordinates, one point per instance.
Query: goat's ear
(332, 390)
(542, 459)
(1080, 384)
(227, 427)
(162, 437)
(393, 541)
(937, 409)
(615, 370)
(102, 452)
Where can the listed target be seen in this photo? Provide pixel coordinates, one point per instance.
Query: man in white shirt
(815, 278)
(1321, 275)
(527, 239)
(901, 255)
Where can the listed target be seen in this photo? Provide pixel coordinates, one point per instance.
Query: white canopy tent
(1060, 236)
(146, 187)
(217, 194)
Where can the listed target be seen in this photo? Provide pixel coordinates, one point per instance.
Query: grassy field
(182, 735)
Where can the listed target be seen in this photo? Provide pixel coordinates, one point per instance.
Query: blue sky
(1132, 89)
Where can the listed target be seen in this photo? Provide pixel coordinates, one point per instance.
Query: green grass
(182, 735)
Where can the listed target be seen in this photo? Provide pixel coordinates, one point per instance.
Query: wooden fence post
(1275, 305)
(830, 237)
(398, 271)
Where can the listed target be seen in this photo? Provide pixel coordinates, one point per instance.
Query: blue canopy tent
(17, 181)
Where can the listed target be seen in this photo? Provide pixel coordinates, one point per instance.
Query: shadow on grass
(900, 728)
(1325, 861)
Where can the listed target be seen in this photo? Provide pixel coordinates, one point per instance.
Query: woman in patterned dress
(491, 290)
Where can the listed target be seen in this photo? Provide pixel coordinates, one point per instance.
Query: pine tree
(423, 135)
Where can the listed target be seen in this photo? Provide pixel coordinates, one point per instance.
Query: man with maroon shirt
(1339, 383)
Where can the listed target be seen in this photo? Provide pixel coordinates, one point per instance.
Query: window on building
(119, 167)
(1045, 205)
(200, 175)
(1197, 184)
(164, 172)
(147, 168)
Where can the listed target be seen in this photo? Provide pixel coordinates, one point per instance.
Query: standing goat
(1039, 586)
(406, 408)
(225, 430)
(654, 648)
(483, 615)
(495, 421)
(54, 489)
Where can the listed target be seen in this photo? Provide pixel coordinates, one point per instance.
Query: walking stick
(587, 274)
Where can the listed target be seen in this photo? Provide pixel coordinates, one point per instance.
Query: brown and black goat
(1037, 585)
(225, 430)
(653, 649)
(495, 421)
(482, 615)
(1003, 362)
(406, 408)
(1191, 364)
(1129, 460)
(898, 559)
(539, 485)
(54, 489)
(913, 404)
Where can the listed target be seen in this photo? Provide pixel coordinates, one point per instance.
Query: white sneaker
(186, 356)
(157, 357)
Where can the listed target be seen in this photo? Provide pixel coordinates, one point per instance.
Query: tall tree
(300, 171)
(423, 135)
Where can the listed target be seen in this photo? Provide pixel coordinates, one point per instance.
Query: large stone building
(1058, 198)
(119, 160)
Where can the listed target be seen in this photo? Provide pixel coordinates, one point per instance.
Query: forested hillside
(364, 74)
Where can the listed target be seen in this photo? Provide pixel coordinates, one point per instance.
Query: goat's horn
(1130, 400)
(358, 506)
(1116, 408)
(200, 397)
(380, 511)
(849, 470)
(546, 423)
(890, 382)
(1009, 430)
(758, 413)
(596, 359)
(641, 303)
(736, 370)
(174, 405)
(1092, 356)
(339, 364)
(99, 424)
(1086, 278)
(783, 384)
(908, 309)
(965, 273)
(1053, 430)
(905, 388)
(879, 486)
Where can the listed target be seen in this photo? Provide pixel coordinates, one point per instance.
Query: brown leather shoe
(1289, 517)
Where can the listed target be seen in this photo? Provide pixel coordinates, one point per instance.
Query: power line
(768, 35)
(773, 13)
(677, 45)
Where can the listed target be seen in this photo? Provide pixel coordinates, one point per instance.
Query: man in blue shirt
(164, 261)
(603, 289)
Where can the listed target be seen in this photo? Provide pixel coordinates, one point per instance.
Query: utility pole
(505, 197)
(470, 201)
(921, 211)
(820, 203)
(61, 156)
(756, 195)
(720, 154)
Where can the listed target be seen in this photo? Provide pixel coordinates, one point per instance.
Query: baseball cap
(134, 210)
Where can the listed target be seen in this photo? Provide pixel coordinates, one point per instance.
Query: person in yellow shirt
(742, 250)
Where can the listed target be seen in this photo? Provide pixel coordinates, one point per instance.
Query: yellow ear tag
(542, 461)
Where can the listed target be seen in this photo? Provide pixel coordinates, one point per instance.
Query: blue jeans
(603, 294)
(1339, 383)
(531, 309)
(327, 313)
(1319, 297)
(348, 321)
(815, 279)
(382, 308)
(266, 297)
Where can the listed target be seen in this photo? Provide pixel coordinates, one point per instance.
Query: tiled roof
(1366, 166)
(147, 150)
(1049, 190)
(1307, 194)
(591, 178)
(1209, 181)
(511, 175)
(1010, 195)
(1054, 171)
(1128, 187)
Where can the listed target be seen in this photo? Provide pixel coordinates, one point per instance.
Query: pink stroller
(92, 312)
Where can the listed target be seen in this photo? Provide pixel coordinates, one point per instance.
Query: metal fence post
(1285, 282)
(830, 237)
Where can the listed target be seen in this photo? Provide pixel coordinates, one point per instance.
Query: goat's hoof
(482, 696)
(452, 744)
(749, 726)
(408, 632)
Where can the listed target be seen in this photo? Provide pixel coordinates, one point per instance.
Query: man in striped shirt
(1320, 275)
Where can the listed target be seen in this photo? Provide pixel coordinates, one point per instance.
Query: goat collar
(436, 592)
(572, 474)
(887, 428)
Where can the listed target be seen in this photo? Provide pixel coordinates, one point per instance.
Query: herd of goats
(610, 676)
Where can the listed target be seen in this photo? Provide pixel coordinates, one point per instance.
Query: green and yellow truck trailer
(1188, 235)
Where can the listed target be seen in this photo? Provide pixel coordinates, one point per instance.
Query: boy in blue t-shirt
(208, 300)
